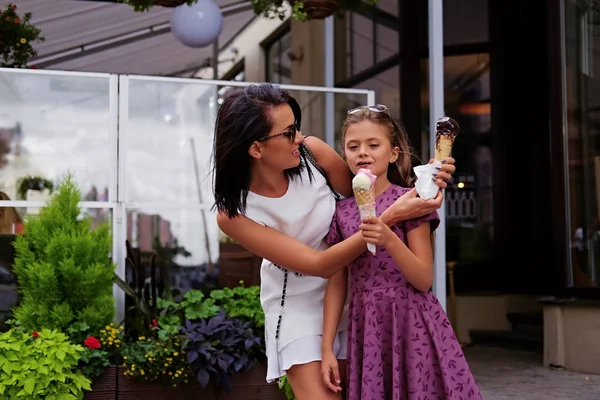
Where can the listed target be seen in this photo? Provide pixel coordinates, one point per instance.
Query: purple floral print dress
(401, 345)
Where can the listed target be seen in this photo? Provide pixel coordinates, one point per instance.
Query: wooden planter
(238, 264)
(104, 387)
(319, 9)
(248, 386)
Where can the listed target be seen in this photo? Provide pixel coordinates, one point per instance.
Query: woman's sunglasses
(290, 134)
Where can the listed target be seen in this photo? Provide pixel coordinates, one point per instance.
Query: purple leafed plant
(219, 348)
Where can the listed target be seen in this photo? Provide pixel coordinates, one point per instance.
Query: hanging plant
(16, 37)
(304, 10)
(145, 5)
(32, 183)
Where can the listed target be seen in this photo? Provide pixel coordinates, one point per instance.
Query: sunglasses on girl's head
(290, 134)
(374, 108)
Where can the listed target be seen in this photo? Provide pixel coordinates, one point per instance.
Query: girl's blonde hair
(400, 172)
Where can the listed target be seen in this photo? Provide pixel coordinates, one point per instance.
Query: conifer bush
(63, 267)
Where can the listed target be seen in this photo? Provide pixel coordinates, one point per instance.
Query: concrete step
(530, 341)
(527, 322)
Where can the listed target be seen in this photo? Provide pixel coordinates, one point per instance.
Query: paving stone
(519, 375)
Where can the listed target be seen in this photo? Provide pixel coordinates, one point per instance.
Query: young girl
(400, 343)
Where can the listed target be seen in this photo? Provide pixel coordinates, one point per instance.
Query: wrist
(326, 348)
(390, 217)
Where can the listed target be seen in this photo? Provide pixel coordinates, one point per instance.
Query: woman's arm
(416, 262)
(288, 252)
(411, 206)
(335, 167)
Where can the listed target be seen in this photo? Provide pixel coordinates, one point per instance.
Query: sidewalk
(516, 375)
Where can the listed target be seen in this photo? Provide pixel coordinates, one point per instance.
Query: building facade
(523, 212)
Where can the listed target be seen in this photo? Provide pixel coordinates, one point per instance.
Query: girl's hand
(375, 231)
(330, 373)
(445, 173)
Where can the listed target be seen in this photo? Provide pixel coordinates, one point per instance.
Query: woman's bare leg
(307, 384)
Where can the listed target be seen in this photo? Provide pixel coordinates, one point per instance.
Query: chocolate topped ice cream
(446, 130)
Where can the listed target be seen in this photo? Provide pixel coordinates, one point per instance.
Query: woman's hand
(330, 372)
(410, 205)
(375, 231)
(445, 172)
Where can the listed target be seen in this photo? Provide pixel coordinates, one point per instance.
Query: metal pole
(329, 82)
(215, 59)
(211, 267)
(436, 110)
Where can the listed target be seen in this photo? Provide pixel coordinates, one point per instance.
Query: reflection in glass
(169, 141)
(469, 201)
(582, 73)
(11, 225)
(51, 124)
(279, 64)
(179, 240)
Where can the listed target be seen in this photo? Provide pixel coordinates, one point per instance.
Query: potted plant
(28, 183)
(237, 264)
(145, 5)
(16, 37)
(63, 269)
(303, 10)
(40, 365)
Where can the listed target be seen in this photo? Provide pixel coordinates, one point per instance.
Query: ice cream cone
(364, 197)
(443, 147)
(363, 186)
(446, 130)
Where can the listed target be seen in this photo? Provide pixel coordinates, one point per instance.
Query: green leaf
(8, 368)
(60, 354)
(29, 386)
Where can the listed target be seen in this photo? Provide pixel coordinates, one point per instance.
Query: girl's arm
(416, 262)
(333, 306)
(335, 167)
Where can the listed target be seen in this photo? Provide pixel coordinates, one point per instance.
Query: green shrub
(40, 366)
(63, 267)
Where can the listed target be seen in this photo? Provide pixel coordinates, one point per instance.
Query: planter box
(104, 387)
(238, 264)
(114, 385)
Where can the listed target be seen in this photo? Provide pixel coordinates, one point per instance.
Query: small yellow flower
(176, 354)
(23, 40)
(124, 357)
(142, 372)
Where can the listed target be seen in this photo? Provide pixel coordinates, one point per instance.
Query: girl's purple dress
(400, 343)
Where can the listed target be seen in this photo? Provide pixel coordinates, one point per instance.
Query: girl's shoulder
(392, 194)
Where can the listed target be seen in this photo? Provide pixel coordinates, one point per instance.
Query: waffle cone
(443, 147)
(364, 197)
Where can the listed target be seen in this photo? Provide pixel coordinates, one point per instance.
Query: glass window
(279, 64)
(51, 124)
(360, 41)
(465, 21)
(582, 77)
(469, 200)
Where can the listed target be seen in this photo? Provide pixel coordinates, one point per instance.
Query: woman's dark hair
(242, 119)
